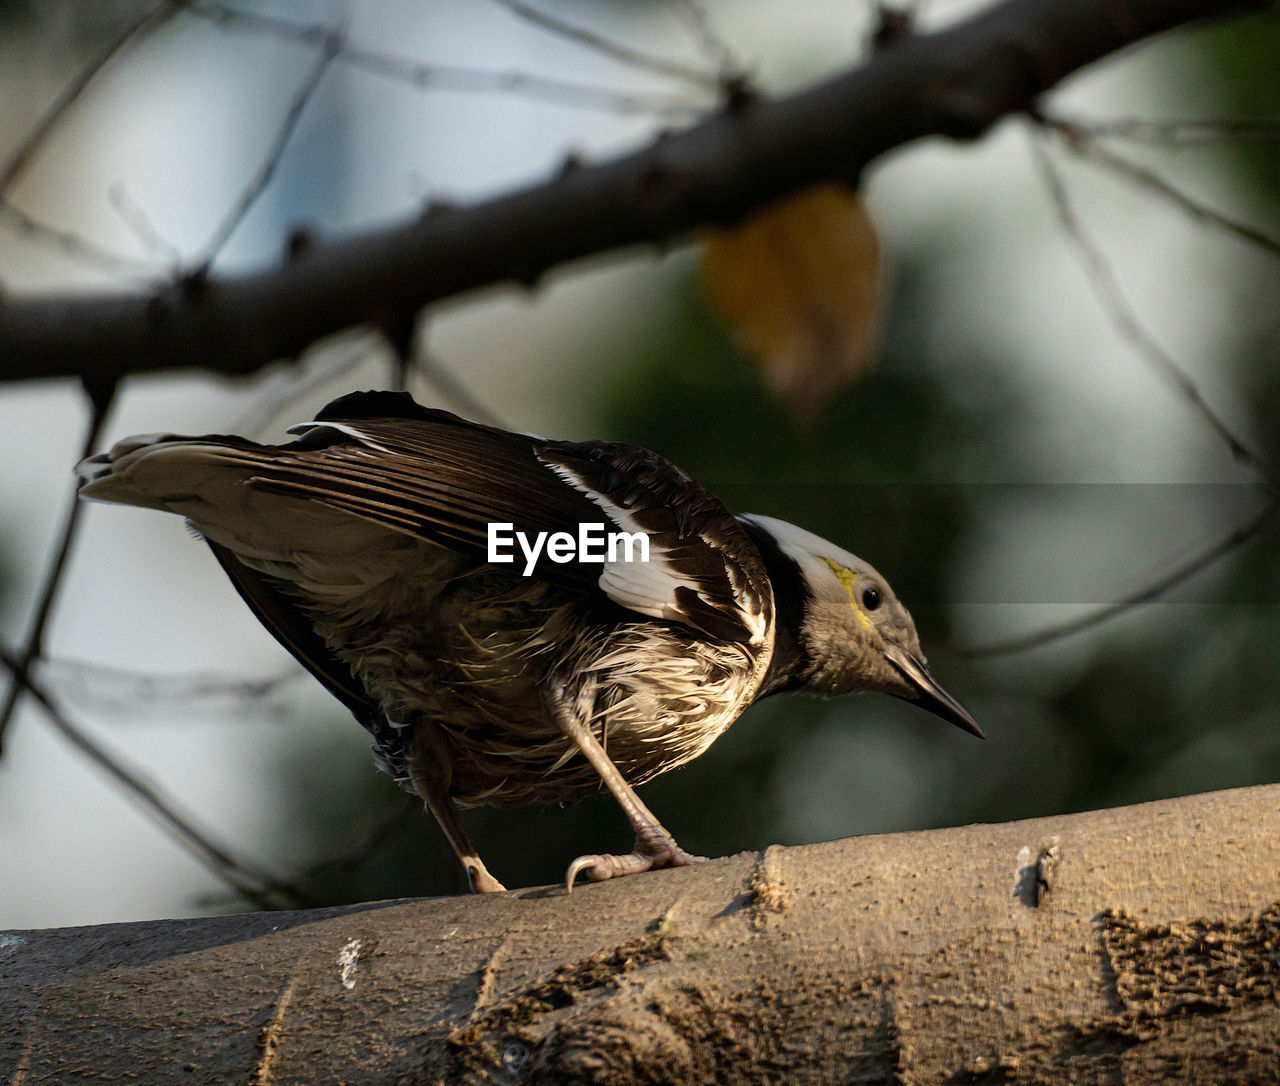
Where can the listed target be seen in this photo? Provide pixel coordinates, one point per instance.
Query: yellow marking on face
(849, 579)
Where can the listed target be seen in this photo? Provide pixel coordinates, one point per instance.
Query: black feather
(791, 595)
(375, 405)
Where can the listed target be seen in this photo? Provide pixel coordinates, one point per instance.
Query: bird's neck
(790, 661)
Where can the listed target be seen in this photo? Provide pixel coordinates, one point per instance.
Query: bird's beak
(927, 693)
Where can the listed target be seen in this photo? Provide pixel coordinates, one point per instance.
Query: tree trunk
(1134, 945)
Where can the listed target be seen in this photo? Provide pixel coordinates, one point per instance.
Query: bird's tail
(166, 471)
(221, 485)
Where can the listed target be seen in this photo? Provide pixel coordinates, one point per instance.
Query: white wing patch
(645, 587)
(302, 429)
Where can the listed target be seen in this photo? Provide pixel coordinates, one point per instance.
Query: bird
(438, 577)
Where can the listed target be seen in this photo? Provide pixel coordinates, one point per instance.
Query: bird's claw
(481, 882)
(600, 868)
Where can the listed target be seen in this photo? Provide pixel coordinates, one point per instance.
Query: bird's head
(847, 631)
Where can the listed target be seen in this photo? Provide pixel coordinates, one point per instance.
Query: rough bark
(954, 83)
(1134, 945)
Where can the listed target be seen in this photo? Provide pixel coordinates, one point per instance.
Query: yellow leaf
(799, 284)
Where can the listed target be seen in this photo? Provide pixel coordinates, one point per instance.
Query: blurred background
(1011, 456)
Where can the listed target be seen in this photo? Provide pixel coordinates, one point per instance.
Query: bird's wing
(435, 476)
(289, 624)
(703, 569)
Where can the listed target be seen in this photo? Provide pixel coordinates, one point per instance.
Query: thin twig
(106, 687)
(257, 885)
(334, 359)
(143, 229)
(1178, 132)
(1085, 147)
(593, 40)
(429, 367)
(453, 77)
(267, 168)
(402, 336)
(147, 23)
(410, 355)
(34, 644)
(1106, 289)
(77, 248)
(1150, 592)
(713, 46)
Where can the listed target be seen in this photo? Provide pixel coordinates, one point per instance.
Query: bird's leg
(655, 847)
(435, 795)
(478, 877)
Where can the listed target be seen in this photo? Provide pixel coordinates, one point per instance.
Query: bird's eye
(870, 597)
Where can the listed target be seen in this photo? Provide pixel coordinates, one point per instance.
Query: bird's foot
(651, 851)
(480, 881)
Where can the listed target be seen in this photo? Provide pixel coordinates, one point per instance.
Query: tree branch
(1135, 944)
(954, 83)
